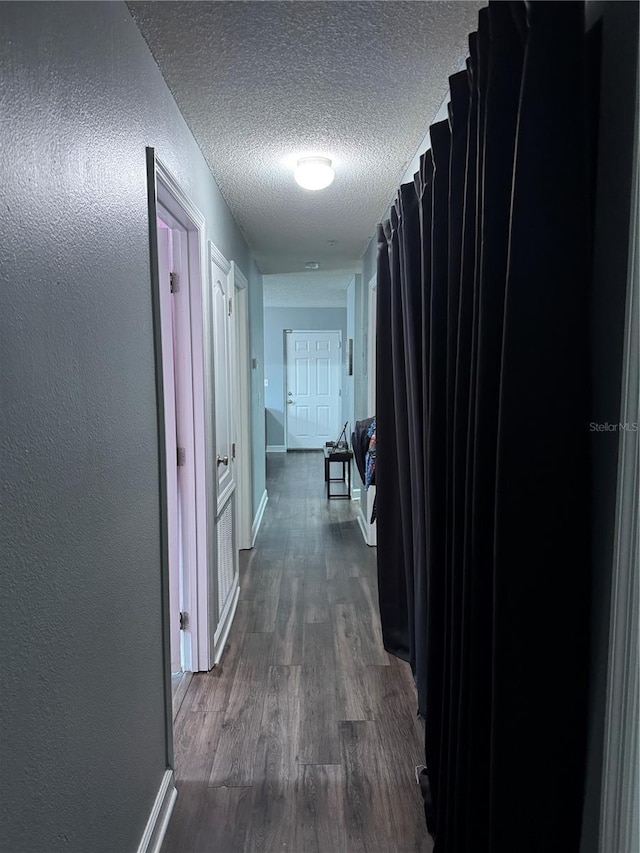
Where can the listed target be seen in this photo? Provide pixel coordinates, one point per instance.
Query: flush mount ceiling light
(312, 265)
(314, 173)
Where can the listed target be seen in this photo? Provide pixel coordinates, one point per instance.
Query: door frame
(171, 244)
(371, 530)
(241, 367)
(216, 257)
(286, 332)
(166, 192)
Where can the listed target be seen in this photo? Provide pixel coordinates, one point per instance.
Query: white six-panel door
(225, 465)
(313, 388)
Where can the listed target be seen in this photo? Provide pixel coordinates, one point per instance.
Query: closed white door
(313, 388)
(223, 327)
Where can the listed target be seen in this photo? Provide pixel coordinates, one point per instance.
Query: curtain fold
(459, 121)
(503, 79)
(401, 423)
(392, 588)
(483, 467)
(411, 299)
(542, 475)
(436, 460)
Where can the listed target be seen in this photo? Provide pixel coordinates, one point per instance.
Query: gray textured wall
(276, 320)
(83, 727)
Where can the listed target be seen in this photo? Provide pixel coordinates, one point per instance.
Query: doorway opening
(178, 419)
(177, 241)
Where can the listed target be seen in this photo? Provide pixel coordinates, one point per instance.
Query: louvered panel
(226, 561)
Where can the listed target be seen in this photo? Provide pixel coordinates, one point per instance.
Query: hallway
(305, 738)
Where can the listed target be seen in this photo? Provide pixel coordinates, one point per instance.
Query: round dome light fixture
(314, 173)
(312, 265)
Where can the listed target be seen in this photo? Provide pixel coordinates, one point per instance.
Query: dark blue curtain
(482, 454)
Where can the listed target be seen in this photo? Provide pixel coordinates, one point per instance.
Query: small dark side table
(332, 455)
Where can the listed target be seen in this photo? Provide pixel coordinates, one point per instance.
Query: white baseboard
(257, 521)
(158, 822)
(276, 448)
(222, 632)
(368, 530)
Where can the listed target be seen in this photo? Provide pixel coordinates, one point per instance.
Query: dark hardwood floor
(305, 738)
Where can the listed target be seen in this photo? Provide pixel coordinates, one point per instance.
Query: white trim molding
(369, 531)
(217, 257)
(156, 828)
(257, 521)
(276, 448)
(171, 196)
(171, 183)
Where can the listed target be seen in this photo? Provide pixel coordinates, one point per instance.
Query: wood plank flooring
(305, 738)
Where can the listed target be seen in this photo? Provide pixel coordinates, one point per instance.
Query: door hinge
(233, 450)
(184, 620)
(230, 305)
(182, 456)
(174, 282)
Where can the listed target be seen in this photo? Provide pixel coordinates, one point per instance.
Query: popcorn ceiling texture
(258, 82)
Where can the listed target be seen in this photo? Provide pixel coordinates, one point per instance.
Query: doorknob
(223, 460)
(289, 393)
(289, 402)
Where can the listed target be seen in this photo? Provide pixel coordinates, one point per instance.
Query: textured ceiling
(261, 82)
(310, 289)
